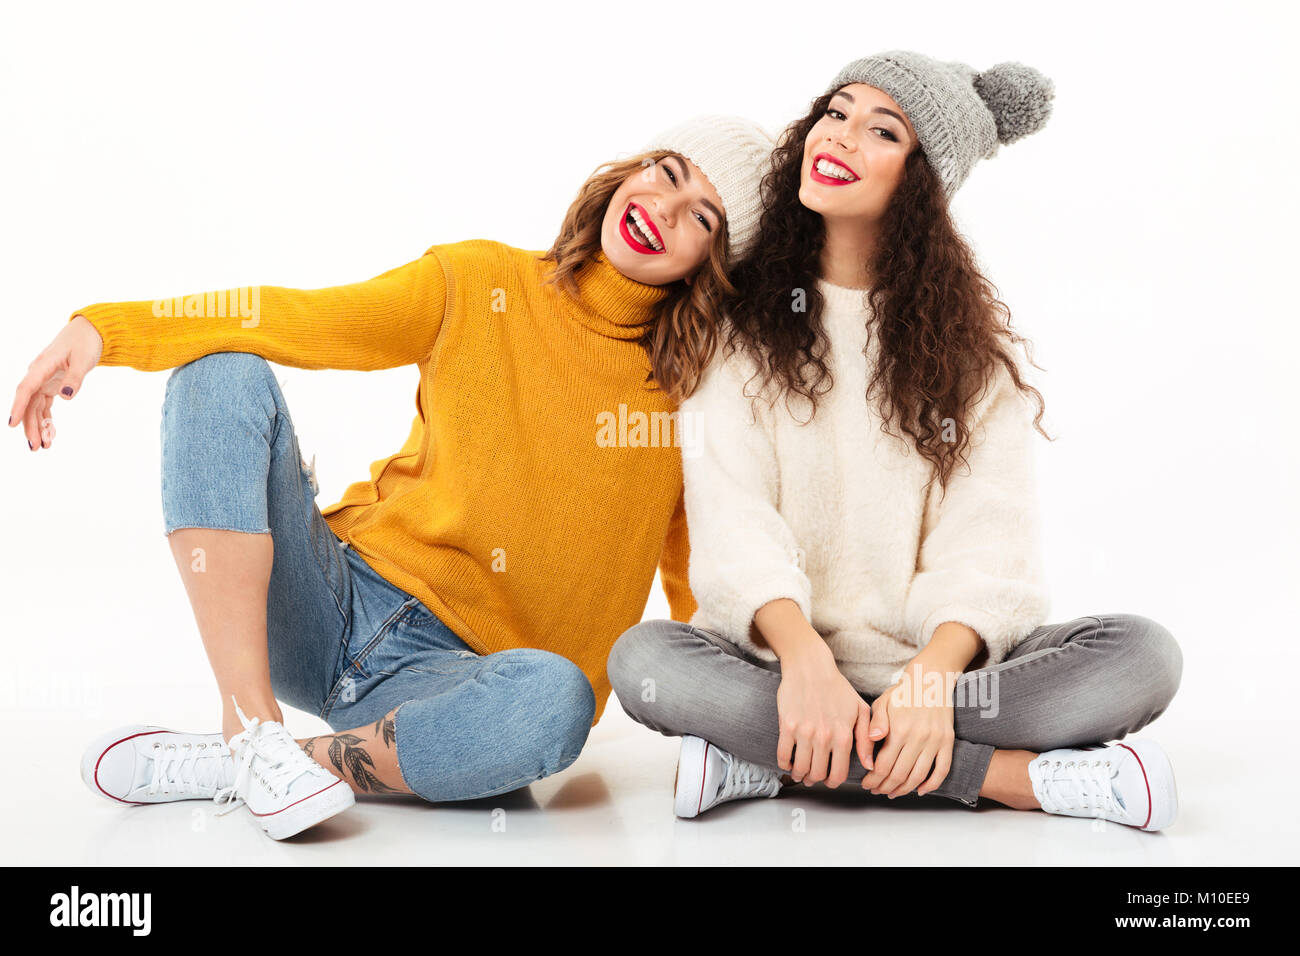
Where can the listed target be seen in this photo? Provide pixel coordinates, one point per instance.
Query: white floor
(614, 806)
(98, 633)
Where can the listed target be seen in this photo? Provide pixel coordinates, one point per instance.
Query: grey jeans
(1086, 681)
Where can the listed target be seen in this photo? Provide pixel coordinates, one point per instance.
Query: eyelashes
(700, 217)
(839, 115)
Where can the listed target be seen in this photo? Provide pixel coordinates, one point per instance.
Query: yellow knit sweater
(530, 504)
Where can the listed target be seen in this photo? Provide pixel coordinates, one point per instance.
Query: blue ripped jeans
(344, 643)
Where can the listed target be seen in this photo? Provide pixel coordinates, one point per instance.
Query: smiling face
(854, 155)
(661, 221)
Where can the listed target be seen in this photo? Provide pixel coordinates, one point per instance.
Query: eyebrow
(686, 174)
(874, 109)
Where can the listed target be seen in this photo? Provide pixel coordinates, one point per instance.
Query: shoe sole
(94, 755)
(1159, 775)
(307, 812)
(692, 764)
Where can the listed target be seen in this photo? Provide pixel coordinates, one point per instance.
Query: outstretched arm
(384, 322)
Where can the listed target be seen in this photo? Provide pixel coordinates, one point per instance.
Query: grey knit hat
(960, 115)
(734, 153)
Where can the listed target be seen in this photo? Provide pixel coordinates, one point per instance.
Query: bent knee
(215, 373)
(637, 656)
(1153, 656)
(559, 702)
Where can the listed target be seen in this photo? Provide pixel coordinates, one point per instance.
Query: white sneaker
(146, 764)
(1129, 783)
(708, 776)
(284, 789)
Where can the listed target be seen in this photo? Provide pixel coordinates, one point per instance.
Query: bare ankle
(1007, 780)
(263, 711)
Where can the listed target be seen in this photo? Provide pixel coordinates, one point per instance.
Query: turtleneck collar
(612, 304)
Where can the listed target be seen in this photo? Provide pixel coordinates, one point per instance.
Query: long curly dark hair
(939, 322)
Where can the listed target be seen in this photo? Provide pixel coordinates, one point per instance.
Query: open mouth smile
(830, 171)
(639, 232)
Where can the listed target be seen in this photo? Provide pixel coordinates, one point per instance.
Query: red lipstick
(631, 239)
(830, 180)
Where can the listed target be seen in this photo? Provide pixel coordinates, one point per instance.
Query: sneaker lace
(1078, 785)
(284, 761)
(746, 779)
(188, 768)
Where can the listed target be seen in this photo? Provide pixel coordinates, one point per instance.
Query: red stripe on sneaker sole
(144, 733)
(296, 802)
(1145, 781)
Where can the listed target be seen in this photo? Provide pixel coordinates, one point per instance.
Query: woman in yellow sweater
(451, 615)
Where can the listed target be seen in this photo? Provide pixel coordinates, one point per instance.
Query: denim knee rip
(309, 472)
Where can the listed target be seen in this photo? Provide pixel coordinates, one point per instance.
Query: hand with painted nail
(58, 370)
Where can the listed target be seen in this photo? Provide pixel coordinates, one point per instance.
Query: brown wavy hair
(940, 325)
(683, 332)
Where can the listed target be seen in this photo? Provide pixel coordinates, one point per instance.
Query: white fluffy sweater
(834, 515)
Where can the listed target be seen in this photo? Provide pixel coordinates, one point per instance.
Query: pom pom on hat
(960, 115)
(1018, 96)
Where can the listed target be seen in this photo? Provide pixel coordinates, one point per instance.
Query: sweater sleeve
(674, 564)
(743, 553)
(979, 562)
(388, 321)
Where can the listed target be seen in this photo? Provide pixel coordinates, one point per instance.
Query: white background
(1144, 241)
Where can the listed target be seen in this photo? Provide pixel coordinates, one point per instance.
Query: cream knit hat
(734, 153)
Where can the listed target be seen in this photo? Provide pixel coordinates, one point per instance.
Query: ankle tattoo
(347, 752)
(387, 727)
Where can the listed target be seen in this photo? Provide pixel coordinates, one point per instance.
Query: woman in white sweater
(860, 497)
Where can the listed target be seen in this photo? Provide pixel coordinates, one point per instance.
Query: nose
(666, 207)
(835, 137)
